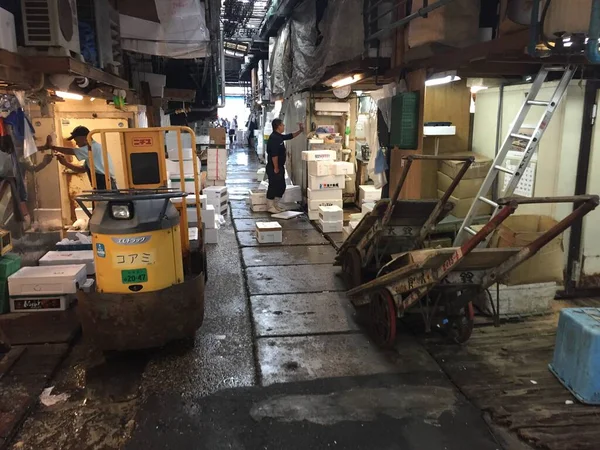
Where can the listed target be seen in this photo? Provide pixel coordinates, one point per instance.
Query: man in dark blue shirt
(276, 156)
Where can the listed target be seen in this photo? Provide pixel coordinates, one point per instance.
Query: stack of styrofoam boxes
(258, 200)
(217, 166)
(368, 194)
(331, 219)
(46, 288)
(209, 224)
(66, 258)
(324, 189)
(174, 171)
(218, 197)
(269, 233)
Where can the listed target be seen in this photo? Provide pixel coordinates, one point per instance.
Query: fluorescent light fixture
(69, 95)
(346, 81)
(443, 80)
(358, 93)
(476, 89)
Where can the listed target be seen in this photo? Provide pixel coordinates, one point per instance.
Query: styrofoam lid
(69, 270)
(332, 209)
(265, 226)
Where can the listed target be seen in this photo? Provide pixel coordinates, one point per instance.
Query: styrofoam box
(190, 186)
(40, 303)
(188, 168)
(324, 194)
(47, 280)
(258, 197)
(191, 200)
(368, 193)
(269, 232)
(63, 258)
(341, 168)
(314, 204)
(292, 194)
(192, 216)
(331, 214)
(8, 37)
(259, 208)
(215, 191)
(319, 168)
(319, 155)
(208, 216)
(313, 214)
(211, 235)
(367, 207)
(174, 154)
(326, 182)
(331, 227)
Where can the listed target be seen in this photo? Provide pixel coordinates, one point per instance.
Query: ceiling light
(444, 80)
(346, 81)
(476, 89)
(69, 95)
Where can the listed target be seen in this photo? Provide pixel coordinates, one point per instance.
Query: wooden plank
(65, 65)
(179, 95)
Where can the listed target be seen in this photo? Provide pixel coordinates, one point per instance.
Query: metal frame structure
(393, 293)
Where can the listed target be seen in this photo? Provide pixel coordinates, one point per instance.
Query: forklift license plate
(134, 276)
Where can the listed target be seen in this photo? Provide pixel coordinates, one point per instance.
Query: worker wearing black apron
(276, 157)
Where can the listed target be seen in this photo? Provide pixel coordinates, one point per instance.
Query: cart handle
(468, 160)
(594, 199)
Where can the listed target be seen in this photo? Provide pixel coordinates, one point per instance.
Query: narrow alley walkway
(280, 363)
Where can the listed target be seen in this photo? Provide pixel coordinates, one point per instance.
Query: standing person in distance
(276, 157)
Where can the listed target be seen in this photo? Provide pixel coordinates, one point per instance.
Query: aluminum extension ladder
(515, 133)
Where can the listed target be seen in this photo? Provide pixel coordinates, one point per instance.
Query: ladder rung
(528, 126)
(504, 169)
(538, 103)
(555, 69)
(470, 230)
(488, 201)
(525, 137)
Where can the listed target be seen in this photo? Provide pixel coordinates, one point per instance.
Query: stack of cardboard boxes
(217, 157)
(467, 189)
(326, 180)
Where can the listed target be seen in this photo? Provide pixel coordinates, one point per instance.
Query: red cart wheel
(460, 327)
(352, 268)
(382, 311)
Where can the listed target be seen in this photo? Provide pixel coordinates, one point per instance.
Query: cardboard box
(368, 193)
(326, 182)
(211, 235)
(319, 168)
(462, 205)
(324, 194)
(319, 155)
(341, 168)
(568, 16)
(314, 204)
(331, 214)
(465, 189)
(47, 280)
(478, 169)
(545, 266)
(217, 136)
(66, 258)
(331, 227)
(269, 233)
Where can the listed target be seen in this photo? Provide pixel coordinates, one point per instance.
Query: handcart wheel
(382, 311)
(460, 327)
(352, 268)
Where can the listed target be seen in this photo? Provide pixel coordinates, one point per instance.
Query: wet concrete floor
(279, 363)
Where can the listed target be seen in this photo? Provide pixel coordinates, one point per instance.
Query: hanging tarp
(306, 47)
(181, 33)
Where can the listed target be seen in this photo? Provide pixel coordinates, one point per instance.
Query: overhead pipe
(422, 12)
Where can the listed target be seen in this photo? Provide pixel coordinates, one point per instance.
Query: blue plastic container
(576, 361)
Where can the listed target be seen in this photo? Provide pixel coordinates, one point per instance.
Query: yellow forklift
(150, 275)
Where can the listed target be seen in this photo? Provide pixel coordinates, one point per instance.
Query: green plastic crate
(405, 121)
(4, 304)
(9, 264)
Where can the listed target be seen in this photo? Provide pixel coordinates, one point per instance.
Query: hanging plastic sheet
(281, 62)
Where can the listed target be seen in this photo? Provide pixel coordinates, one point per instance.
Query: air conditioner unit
(51, 25)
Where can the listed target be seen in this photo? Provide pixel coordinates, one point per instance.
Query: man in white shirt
(79, 135)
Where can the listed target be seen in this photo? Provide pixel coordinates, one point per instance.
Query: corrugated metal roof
(241, 19)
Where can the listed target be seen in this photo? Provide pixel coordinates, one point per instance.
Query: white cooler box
(324, 194)
(368, 193)
(211, 235)
(319, 168)
(341, 168)
(331, 214)
(187, 153)
(331, 227)
(319, 155)
(314, 204)
(47, 280)
(188, 168)
(326, 182)
(65, 258)
(269, 233)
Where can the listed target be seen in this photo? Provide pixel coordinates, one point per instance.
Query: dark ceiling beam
(142, 10)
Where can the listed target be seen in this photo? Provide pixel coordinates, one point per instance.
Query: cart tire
(382, 317)
(460, 328)
(352, 268)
